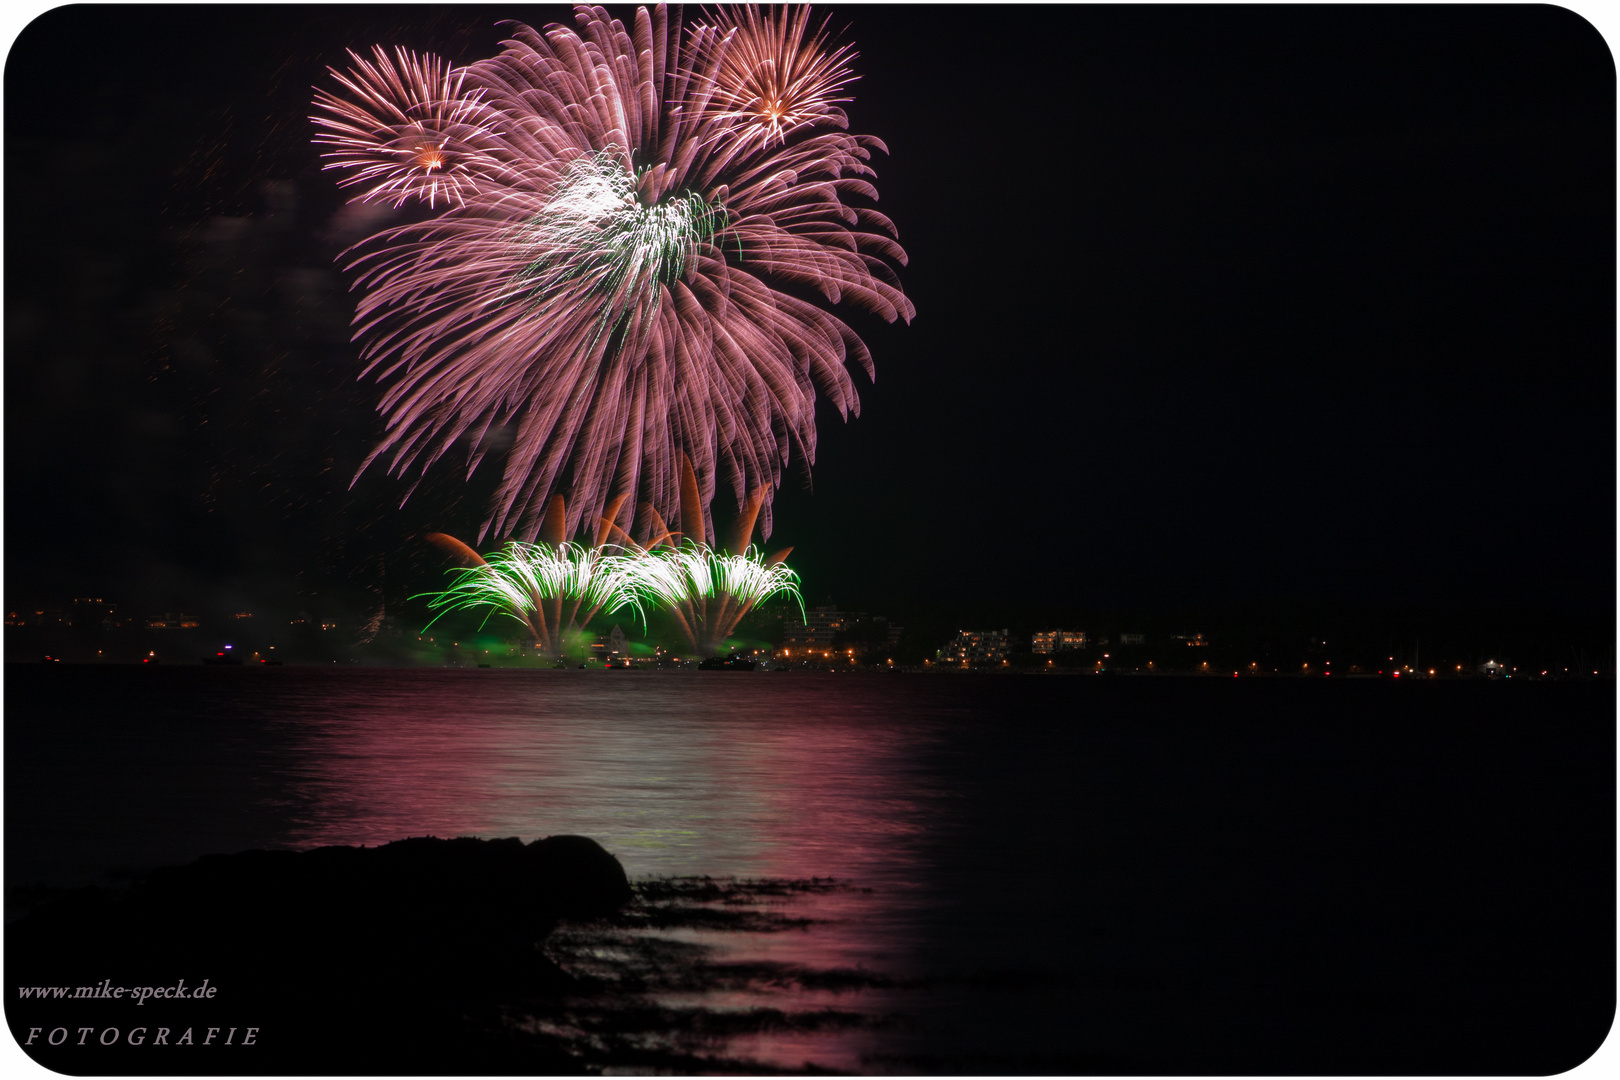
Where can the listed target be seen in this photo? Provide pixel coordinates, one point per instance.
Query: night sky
(1300, 314)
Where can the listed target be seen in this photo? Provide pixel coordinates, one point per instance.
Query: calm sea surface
(1060, 874)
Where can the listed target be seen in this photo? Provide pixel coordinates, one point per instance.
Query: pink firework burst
(776, 76)
(621, 277)
(410, 129)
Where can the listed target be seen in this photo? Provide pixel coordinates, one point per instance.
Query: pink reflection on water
(722, 774)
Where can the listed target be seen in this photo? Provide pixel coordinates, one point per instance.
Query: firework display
(707, 591)
(627, 222)
(554, 591)
(554, 588)
(397, 138)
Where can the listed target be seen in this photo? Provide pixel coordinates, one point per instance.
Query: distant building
(816, 628)
(1053, 641)
(611, 644)
(94, 611)
(972, 647)
(171, 621)
(1190, 639)
(814, 638)
(1132, 639)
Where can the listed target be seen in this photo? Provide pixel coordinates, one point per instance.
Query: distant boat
(223, 658)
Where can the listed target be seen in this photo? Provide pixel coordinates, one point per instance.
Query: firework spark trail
(629, 211)
(530, 583)
(708, 591)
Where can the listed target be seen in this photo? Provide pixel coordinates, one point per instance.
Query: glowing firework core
(595, 227)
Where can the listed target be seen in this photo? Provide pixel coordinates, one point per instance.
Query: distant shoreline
(942, 670)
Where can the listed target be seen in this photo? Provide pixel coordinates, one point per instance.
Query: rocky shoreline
(399, 959)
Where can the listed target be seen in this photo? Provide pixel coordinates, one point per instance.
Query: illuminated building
(971, 647)
(817, 628)
(817, 636)
(1053, 641)
(611, 644)
(171, 621)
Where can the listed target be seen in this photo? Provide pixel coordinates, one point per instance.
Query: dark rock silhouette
(416, 944)
(583, 879)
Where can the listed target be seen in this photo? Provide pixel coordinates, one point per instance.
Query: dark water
(1031, 874)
